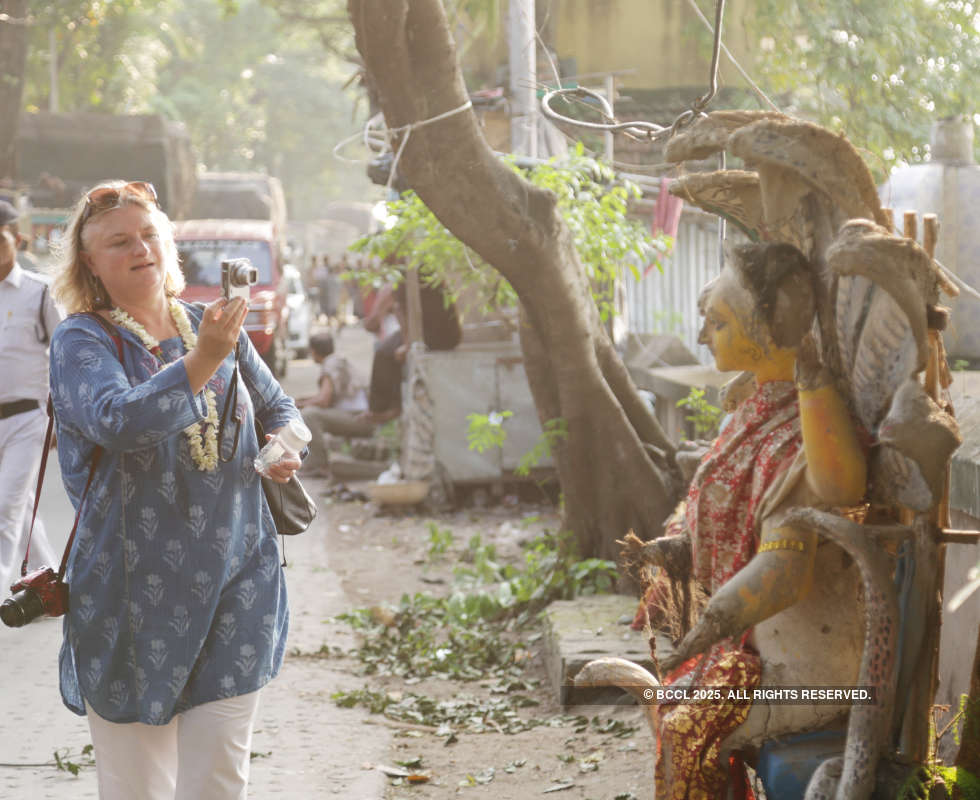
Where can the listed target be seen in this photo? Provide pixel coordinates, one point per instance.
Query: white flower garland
(202, 437)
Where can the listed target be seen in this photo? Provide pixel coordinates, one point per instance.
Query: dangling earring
(99, 298)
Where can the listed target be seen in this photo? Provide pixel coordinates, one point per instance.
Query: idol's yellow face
(723, 330)
(738, 340)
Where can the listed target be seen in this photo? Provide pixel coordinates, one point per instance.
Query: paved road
(305, 745)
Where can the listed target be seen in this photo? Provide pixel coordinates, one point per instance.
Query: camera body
(33, 595)
(237, 277)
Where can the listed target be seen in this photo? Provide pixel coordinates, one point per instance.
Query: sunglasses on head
(109, 196)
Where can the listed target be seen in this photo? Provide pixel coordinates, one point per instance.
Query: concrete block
(581, 630)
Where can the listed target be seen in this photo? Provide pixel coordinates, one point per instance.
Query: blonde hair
(74, 285)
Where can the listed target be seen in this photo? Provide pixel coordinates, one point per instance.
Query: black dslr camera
(38, 593)
(237, 277)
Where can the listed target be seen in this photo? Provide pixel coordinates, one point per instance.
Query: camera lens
(243, 275)
(23, 607)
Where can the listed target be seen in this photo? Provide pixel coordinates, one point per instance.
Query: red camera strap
(40, 482)
(96, 457)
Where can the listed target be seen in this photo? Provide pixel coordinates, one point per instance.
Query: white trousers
(21, 442)
(200, 754)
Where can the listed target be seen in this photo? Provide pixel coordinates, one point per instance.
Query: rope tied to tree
(407, 130)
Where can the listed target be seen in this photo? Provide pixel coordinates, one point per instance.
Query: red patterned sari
(751, 466)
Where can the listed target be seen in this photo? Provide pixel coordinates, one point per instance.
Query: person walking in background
(28, 315)
(177, 612)
(321, 279)
(336, 408)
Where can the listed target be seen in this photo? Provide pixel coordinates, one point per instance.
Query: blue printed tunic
(177, 596)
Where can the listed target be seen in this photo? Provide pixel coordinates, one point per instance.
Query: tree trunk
(611, 479)
(968, 756)
(13, 57)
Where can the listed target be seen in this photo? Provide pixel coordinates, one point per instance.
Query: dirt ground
(379, 554)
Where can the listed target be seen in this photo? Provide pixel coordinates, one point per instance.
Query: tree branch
(609, 482)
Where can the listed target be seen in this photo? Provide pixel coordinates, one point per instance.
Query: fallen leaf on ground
(484, 776)
(383, 616)
(393, 772)
(404, 774)
(559, 787)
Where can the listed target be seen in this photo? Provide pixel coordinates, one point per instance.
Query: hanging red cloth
(666, 214)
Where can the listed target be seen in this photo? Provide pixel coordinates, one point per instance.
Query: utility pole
(53, 69)
(523, 78)
(14, 22)
(608, 136)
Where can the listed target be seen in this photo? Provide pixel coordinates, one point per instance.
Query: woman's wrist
(200, 368)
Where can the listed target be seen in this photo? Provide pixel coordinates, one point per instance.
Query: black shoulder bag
(293, 510)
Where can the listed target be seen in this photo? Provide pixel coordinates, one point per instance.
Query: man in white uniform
(28, 316)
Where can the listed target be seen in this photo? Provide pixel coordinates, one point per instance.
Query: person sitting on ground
(337, 407)
(441, 330)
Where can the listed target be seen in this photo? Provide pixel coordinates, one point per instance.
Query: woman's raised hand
(216, 337)
(220, 327)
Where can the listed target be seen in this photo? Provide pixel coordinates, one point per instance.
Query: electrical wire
(755, 88)
(638, 128)
(955, 279)
(650, 130)
(701, 103)
(642, 129)
(378, 140)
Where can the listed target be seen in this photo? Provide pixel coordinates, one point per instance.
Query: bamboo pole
(930, 236)
(930, 552)
(890, 216)
(910, 224)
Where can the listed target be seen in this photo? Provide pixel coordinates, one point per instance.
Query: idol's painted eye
(714, 321)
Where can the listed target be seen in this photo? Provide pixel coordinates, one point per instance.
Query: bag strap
(43, 337)
(40, 483)
(231, 402)
(96, 457)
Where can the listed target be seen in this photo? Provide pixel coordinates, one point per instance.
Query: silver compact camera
(237, 277)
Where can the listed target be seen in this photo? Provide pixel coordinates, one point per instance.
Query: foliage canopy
(591, 198)
(249, 96)
(881, 73)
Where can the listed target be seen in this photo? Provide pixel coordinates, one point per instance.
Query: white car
(301, 312)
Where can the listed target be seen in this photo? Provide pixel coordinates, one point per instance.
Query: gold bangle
(783, 544)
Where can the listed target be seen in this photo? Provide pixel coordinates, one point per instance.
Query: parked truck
(242, 215)
(240, 195)
(61, 154)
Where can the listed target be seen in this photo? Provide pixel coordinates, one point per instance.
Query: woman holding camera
(177, 613)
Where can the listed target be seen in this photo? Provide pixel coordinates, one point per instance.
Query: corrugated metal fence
(667, 302)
